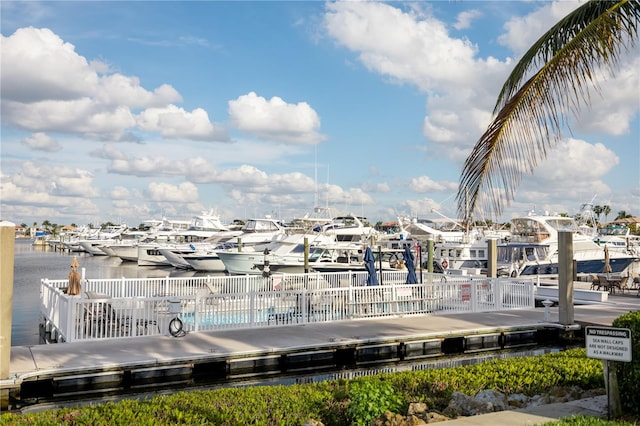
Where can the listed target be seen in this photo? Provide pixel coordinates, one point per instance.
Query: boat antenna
(315, 177)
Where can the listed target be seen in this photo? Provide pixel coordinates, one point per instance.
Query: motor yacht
(533, 248)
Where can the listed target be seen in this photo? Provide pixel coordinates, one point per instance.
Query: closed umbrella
(408, 261)
(370, 264)
(74, 279)
(607, 262)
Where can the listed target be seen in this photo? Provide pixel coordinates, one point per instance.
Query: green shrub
(628, 373)
(587, 421)
(370, 399)
(337, 402)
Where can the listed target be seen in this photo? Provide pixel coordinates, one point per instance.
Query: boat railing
(133, 307)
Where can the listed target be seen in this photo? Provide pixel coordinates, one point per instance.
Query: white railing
(123, 308)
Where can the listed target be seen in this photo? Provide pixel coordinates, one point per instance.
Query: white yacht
(426, 229)
(349, 229)
(203, 226)
(533, 248)
(254, 231)
(470, 253)
(618, 237)
(281, 255)
(104, 236)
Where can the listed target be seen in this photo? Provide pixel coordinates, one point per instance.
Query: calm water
(34, 263)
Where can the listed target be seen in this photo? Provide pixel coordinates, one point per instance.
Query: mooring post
(306, 255)
(565, 277)
(7, 243)
(492, 258)
(430, 255)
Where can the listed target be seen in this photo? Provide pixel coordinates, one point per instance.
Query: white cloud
(617, 102)
(465, 18)
(426, 184)
(574, 161)
(522, 31)
(42, 142)
(75, 116)
(571, 175)
(28, 52)
(422, 208)
(382, 187)
(119, 193)
(55, 180)
(78, 96)
(175, 123)
(416, 48)
(47, 192)
(275, 120)
(185, 192)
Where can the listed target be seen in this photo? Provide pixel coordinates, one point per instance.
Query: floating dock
(45, 373)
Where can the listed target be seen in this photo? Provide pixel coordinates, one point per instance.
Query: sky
(128, 111)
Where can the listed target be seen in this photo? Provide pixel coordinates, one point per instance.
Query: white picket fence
(132, 307)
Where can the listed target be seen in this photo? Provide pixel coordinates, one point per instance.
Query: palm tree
(622, 214)
(552, 78)
(606, 209)
(597, 210)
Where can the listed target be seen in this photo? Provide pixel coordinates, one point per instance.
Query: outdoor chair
(595, 282)
(635, 284)
(603, 283)
(623, 284)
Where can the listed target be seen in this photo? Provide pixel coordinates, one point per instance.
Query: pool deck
(248, 347)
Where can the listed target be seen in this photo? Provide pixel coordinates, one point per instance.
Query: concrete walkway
(595, 407)
(34, 360)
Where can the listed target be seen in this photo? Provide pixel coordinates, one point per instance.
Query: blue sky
(127, 111)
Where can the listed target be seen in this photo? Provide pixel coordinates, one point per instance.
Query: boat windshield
(513, 254)
(253, 225)
(563, 224)
(620, 230)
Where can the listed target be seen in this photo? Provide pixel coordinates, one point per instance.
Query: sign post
(609, 344)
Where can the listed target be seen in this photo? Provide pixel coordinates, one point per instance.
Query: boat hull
(209, 263)
(592, 266)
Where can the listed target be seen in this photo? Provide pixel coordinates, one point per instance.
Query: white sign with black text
(613, 344)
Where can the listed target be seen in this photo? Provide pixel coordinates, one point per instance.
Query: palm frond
(550, 80)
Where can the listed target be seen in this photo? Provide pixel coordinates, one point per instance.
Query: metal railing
(125, 308)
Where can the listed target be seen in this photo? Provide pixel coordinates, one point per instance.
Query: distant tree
(622, 215)
(606, 210)
(23, 225)
(597, 210)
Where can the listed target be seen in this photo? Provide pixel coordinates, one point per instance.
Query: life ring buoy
(445, 264)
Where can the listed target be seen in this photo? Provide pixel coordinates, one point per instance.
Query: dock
(120, 366)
